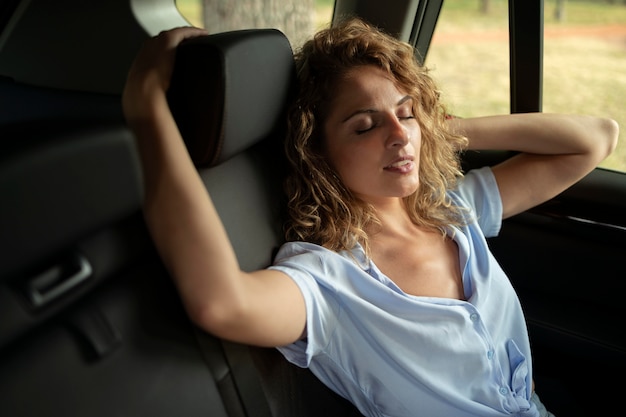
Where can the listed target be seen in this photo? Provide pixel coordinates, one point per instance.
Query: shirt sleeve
(478, 191)
(305, 264)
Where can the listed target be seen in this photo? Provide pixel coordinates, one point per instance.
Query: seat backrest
(229, 94)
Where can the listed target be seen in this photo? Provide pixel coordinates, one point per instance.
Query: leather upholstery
(229, 91)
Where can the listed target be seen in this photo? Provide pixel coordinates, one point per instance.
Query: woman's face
(372, 138)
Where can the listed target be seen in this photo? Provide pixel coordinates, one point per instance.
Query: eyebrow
(362, 111)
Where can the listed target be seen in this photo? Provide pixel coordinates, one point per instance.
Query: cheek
(340, 161)
(344, 161)
(416, 137)
(332, 149)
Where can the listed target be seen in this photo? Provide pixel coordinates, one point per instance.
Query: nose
(398, 135)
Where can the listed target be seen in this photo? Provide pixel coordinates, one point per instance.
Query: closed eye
(405, 112)
(362, 131)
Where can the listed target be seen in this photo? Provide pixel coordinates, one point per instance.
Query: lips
(403, 164)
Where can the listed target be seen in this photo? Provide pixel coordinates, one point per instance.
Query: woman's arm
(555, 151)
(262, 308)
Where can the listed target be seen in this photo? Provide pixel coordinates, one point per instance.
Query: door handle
(58, 280)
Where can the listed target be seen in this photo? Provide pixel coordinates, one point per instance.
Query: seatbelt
(248, 382)
(240, 369)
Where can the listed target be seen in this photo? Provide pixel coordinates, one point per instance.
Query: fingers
(152, 68)
(160, 51)
(175, 36)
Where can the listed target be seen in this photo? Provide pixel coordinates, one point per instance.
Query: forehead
(364, 87)
(367, 78)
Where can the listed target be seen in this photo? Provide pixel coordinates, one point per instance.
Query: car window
(584, 63)
(298, 20)
(469, 57)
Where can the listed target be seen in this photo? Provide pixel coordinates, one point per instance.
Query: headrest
(230, 90)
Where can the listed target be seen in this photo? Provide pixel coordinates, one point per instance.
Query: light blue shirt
(395, 354)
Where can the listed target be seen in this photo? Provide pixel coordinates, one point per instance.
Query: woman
(386, 288)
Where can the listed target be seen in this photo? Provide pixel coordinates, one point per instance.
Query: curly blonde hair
(321, 209)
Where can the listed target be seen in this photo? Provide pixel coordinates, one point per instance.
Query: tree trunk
(559, 11)
(293, 18)
(485, 6)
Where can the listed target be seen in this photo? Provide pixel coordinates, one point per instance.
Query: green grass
(466, 14)
(587, 12)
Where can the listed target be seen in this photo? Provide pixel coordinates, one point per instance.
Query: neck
(393, 217)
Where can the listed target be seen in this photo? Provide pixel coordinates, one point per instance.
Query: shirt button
(490, 354)
(503, 390)
(473, 317)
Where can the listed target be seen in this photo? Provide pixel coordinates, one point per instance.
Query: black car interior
(90, 322)
(98, 311)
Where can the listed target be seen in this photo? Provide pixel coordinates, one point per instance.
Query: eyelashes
(375, 125)
(362, 131)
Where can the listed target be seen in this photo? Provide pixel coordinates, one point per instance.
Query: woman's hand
(151, 71)
(555, 151)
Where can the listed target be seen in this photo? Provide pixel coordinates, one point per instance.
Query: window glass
(192, 11)
(585, 63)
(469, 57)
(297, 19)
